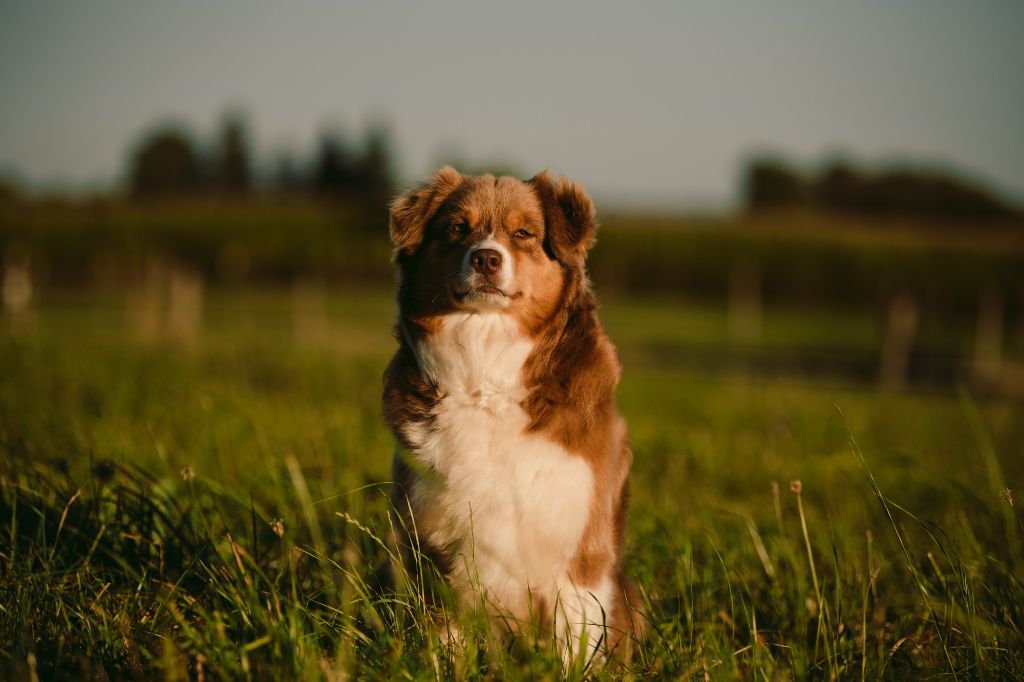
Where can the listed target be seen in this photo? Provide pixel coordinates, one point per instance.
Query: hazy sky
(654, 102)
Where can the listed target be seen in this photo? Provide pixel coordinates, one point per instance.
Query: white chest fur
(514, 504)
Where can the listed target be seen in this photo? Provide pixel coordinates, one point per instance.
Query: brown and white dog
(515, 462)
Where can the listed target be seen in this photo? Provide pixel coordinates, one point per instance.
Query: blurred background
(811, 251)
(820, 195)
(794, 189)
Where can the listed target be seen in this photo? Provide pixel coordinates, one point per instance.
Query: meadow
(207, 498)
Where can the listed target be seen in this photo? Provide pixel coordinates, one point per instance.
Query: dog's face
(489, 244)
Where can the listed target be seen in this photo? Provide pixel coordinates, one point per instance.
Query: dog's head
(483, 243)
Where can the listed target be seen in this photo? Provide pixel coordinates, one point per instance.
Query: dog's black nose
(486, 261)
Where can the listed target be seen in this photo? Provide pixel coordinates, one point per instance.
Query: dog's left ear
(569, 218)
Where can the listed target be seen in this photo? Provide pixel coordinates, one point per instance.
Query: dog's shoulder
(572, 375)
(408, 397)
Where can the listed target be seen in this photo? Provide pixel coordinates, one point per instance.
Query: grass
(214, 505)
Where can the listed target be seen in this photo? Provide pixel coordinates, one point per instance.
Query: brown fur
(573, 370)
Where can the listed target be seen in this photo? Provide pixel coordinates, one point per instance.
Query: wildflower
(1007, 495)
(277, 525)
(796, 486)
(188, 473)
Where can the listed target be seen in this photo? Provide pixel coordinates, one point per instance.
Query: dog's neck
(475, 354)
(474, 351)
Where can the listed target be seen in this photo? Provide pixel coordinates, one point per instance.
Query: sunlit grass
(219, 507)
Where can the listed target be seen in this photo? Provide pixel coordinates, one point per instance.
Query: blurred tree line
(897, 191)
(169, 162)
(336, 227)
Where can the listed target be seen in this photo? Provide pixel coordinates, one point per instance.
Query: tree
(841, 187)
(772, 183)
(360, 177)
(334, 167)
(165, 162)
(232, 172)
(373, 177)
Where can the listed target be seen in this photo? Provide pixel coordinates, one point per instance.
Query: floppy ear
(411, 212)
(569, 219)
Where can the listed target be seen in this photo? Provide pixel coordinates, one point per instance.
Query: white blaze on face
(504, 280)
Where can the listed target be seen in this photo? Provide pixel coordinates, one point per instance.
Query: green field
(145, 466)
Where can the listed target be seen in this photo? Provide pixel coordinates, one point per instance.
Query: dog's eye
(522, 233)
(459, 229)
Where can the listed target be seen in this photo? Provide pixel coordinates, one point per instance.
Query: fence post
(17, 289)
(988, 339)
(900, 327)
(145, 302)
(185, 304)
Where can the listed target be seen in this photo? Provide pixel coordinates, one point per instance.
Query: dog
(513, 465)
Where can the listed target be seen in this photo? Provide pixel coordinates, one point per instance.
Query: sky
(652, 103)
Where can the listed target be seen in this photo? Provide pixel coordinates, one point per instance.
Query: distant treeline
(168, 161)
(901, 191)
(209, 206)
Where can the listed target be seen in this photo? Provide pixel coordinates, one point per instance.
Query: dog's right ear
(411, 212)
